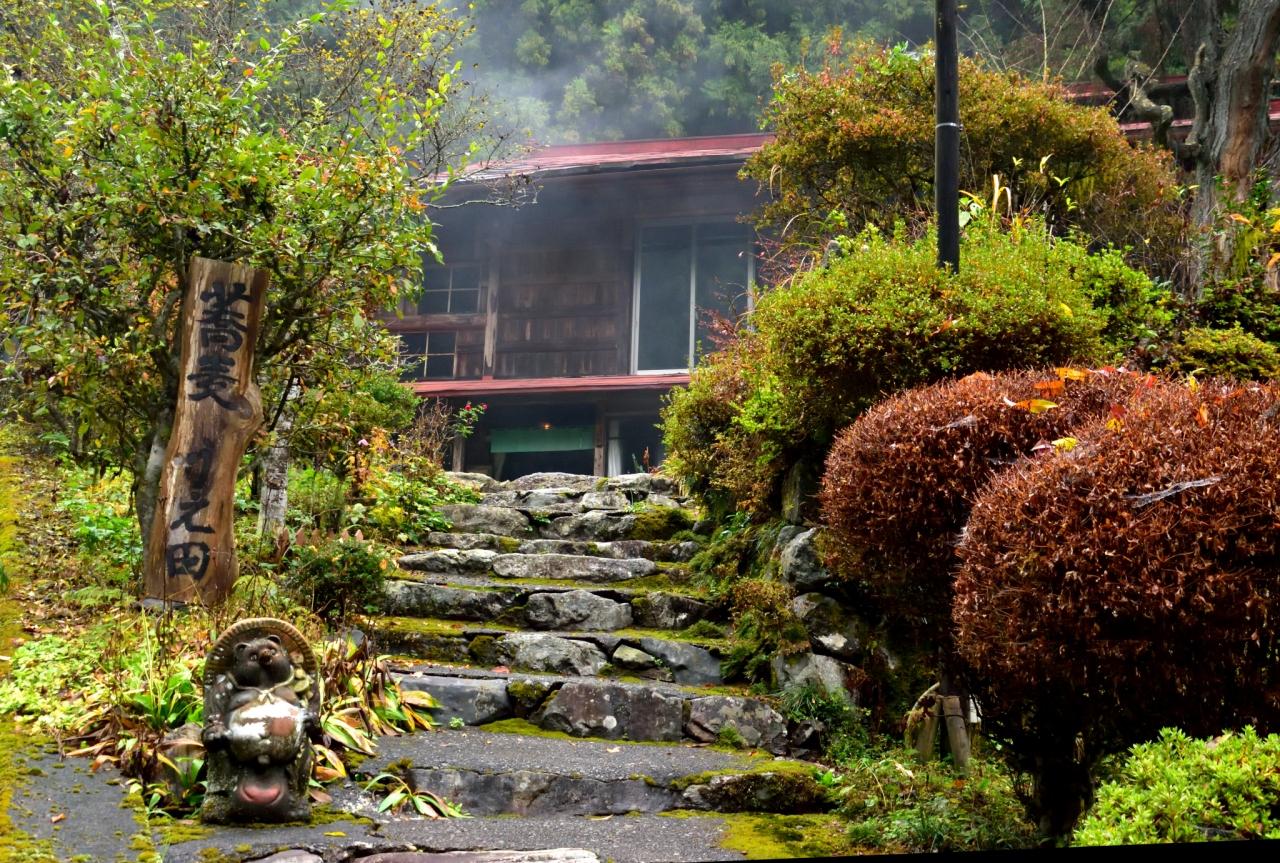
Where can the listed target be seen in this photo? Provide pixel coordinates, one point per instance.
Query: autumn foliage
(1127, 583)
(900, 480)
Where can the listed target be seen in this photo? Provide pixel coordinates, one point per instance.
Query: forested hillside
(569, 70)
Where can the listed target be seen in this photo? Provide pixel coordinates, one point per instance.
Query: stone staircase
(578, 668)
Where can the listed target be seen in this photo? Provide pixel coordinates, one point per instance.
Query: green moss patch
(762, 836)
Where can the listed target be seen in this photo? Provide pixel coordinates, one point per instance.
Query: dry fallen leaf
(54, 819)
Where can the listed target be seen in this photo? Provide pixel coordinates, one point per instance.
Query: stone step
(591, 707)
(596, 525)
(565, 605)
(489, 773)
(655, 550)
(660, 654)
(452, 561)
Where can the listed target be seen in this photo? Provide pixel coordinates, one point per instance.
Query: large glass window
(687, 276)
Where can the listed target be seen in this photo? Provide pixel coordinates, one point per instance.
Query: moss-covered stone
(484, 649)
(660, 522)
(527, 694)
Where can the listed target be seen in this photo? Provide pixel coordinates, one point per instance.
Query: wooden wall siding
(562, 299)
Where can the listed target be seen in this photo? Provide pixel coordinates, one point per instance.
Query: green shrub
(1231, 353)
(857, 137)
(401, 507)
(338, 577)
(105, 528)
(821, 349)
(317, 498)
(1177, 789)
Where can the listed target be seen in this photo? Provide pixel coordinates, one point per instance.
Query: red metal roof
(628, 155)
(533, 386)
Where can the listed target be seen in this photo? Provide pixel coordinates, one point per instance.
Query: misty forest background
(579, 70)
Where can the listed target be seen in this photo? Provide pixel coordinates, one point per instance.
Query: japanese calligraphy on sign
(190, 553)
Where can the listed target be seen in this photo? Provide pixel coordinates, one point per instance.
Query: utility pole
(946, 155)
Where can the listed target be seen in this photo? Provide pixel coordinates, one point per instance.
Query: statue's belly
(265, 727)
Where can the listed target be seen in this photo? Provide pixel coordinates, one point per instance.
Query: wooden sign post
(191, 553)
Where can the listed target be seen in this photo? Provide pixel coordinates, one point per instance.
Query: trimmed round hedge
(1127, 583)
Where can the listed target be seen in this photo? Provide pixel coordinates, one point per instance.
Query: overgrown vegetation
(882, 318)
(856, 137)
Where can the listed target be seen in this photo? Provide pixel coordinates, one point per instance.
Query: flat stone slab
(474, 701)
(551, 855)
(449, 561)
(593, 569)
(424, 599)
(481, 751)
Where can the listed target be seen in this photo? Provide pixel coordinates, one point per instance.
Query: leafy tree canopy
(137, 135)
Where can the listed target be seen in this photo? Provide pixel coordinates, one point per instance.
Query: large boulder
(757, 723)
(597, 526)
(833, 629)
(480, 481)
(824, 672)
(599, 709)
(532, 651)
(477, 518)
(576, 609)
(576, 481)
(689, 664)
(800, 566)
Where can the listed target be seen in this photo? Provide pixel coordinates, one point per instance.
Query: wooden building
(571, 317)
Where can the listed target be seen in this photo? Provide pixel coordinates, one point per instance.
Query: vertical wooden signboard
(191, 553)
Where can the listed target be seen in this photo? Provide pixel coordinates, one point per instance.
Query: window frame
(692, 224)
(413, 307)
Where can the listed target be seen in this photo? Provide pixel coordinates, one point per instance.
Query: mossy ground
(767, 836)
(16, 846)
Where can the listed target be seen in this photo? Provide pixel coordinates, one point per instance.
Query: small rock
(627, 657)
(662, 500)
(576, 609)
(758, 792)
(528, 693)
(532, 651)
(466, 541)
(641, 483)
(689, 664)
(800, 566)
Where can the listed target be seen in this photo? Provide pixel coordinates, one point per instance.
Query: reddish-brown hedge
(1128, 584)
(899, 481)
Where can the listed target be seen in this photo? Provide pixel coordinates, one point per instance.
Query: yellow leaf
(1115, 424)
(1066, 310)
(1036, 406)
(334, 833)
(1070, 374)
(1273, 260)
(1066, 444)
(1236, 217)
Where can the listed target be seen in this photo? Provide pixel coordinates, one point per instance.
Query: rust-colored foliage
(900, 480)
(1128, 583)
